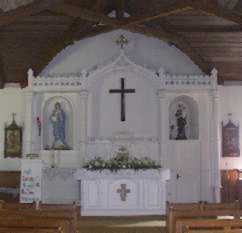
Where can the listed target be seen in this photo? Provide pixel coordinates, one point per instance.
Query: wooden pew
(21, 223)
(10, 205)
(177, 211)
(39, 214)
(28, 230)
(67, 212)
(9, 185)
(208, 226)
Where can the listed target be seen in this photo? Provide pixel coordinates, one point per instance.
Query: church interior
(120, 116)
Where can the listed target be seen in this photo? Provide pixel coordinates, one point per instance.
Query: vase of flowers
(122, 160)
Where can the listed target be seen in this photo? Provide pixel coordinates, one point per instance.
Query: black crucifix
(122, 91)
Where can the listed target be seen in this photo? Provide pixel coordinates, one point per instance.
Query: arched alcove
(57, 136)
(183, 119)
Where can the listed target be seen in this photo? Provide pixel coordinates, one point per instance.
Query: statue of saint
(58, 120)
(181, 122)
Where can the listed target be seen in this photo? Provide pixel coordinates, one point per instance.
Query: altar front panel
(122, 193)
(59, 186)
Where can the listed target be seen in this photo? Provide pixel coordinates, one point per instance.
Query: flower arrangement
(121, 161)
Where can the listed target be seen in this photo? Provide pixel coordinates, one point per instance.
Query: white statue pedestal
(126, 192)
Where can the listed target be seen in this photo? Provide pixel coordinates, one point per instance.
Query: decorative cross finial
(13, 115)
(122, 41)
(229, 116)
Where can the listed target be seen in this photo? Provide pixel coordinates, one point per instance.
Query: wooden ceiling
(208, 32)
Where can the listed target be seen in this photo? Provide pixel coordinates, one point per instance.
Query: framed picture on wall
(230, 140)
(13, 140)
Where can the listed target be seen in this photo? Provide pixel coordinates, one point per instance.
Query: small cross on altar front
(123, 192)
(122, 91)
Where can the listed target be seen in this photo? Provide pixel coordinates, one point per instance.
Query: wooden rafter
(173, 9)
(88, 15)
(213, 8)
(120, 9)
(224, 57)
(207, 29)
(77, 12)
(2, 74)
(27, 10)
(98, 7)
(67, 38)
(64, 40)
(136, 27)
(230, 4)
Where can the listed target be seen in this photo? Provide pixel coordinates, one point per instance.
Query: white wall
(11, 101)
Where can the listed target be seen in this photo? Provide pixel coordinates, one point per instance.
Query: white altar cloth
(126, 192)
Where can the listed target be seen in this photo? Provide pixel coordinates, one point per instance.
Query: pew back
(63, 212)
(208, 225)
(177, 211)
(28, 230)
(20, 222)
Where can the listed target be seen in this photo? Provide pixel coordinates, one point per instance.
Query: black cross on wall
(122, 92)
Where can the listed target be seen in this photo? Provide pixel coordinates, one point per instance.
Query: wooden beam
(179, 40)
(178, 7)
(77, 12)
(27, 10)
(210, 7)
(73, 11)
(207, 29)
(213, 8)
(88, 15)
(61, 42)
(230, 4)
(2, 74)
(120, 9)
(66, 39)
(98, 7)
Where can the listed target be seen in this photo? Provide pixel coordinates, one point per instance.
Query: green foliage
(121, 161)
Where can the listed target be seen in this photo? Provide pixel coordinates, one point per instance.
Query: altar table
(122, 193)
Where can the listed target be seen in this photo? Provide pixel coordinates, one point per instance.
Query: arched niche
(57, 136)
(183, 119)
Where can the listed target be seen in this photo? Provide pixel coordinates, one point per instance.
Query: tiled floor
(134, 224)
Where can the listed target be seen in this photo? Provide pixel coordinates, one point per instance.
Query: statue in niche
(181, 122)
(58, 121)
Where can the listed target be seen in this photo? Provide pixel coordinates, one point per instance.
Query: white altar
(126, 192)
(77, 111)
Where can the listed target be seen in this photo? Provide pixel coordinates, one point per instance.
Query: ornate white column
(162, 128)
(215, 144)
(28, 123)
(83, 124)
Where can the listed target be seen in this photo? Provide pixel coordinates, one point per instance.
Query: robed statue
(181, 123)
(58, 121)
